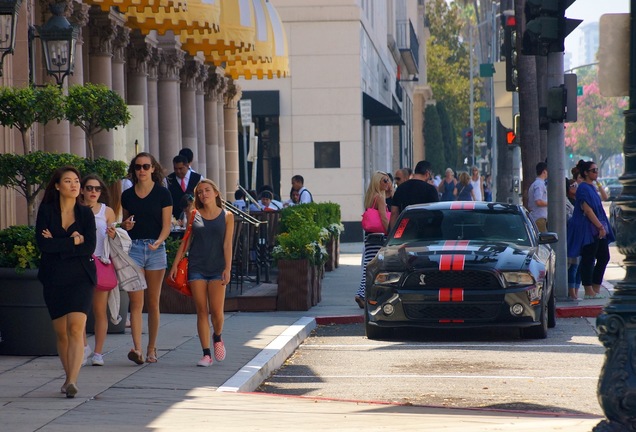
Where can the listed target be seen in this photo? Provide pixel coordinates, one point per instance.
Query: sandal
(135, 356)
(151, 356)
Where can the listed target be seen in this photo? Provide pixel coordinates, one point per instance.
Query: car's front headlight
(518, 278)
(387, 278)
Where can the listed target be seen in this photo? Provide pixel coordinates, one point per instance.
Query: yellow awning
(278, 66)
(264, 40)
(236, 33)
(200, 15)
(140, 5)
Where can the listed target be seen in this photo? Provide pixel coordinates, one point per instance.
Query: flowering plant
(301, 243)
(18, 248)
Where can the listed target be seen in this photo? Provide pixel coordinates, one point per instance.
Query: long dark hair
(104, 196)
(584, 167)
(51, 194)
(157, 175)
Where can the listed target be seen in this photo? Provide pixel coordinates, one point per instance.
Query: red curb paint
(579, 311)
(344, 319)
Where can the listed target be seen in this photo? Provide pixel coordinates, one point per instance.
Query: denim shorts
(147, 258)
(192, 276)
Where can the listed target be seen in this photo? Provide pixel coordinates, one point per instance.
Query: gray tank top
(206, 249)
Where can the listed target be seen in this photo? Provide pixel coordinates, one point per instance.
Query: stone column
(232, 96)
(189, 78)
(220, 103)
(201, 160)
(121, 41)
(168, 97)
(212, 125)
(103, 30)
(79, 16)
(152, 145)
(139, 53)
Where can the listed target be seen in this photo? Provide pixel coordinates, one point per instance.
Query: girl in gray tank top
(209, 267)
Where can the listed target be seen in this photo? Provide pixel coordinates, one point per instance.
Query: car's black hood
(455, 255)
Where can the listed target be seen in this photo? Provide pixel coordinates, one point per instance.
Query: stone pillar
(139, 53)
(121, 41)
(232, 96)
(152, 145)
(212, 126)
(168, 97)
(201, 160)
(103, 30)
(220, 103)
(79, 16)
(189, 79)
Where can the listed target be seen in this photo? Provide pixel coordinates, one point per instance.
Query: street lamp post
(9, 10)
(617, 324)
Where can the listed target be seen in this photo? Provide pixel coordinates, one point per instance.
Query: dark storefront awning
(378, 113)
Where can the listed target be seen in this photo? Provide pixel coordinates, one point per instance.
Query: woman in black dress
(66, 236)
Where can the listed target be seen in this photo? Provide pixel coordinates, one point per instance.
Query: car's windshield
(439, 225)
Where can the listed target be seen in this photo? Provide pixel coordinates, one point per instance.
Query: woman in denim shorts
(147, 212)
(210, 264)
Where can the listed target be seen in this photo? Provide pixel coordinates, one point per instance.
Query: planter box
(25, 325)
(295, 285)
(173, 302)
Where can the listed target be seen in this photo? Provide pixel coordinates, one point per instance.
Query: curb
(250, 376)
(579, 312)
(341, 319)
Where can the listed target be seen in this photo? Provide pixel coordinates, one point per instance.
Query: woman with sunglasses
(147, 212)
(589, 232)
(375, 197)
(65, 234)
(95, 196)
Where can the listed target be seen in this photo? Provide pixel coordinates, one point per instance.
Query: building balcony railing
(409, 45)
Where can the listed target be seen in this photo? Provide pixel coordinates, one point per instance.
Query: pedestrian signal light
(510, 137)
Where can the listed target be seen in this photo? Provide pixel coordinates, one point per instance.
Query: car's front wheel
(539, 331)
(552, 310)
(374, 332)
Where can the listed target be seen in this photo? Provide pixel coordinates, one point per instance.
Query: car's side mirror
(376, 239)
(548, 237)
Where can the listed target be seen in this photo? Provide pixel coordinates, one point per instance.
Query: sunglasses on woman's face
(146, 167)
(594, 170)
(91, 188)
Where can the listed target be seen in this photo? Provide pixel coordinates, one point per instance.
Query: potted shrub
(299, 254)
(25, 324)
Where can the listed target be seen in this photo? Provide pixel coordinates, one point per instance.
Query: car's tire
(552, 310)
(375, 332)
(539, 331)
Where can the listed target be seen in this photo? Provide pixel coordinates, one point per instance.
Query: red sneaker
(219, 351)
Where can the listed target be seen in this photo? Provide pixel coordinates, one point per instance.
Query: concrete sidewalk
(174, 394)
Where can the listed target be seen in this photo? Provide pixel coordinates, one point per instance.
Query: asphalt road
(467, 369)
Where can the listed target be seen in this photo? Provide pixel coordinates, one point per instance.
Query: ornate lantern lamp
(8, 23)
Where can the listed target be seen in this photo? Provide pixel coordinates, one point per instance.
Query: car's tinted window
(435, 225)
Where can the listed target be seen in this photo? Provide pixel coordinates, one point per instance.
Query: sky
(590, 11)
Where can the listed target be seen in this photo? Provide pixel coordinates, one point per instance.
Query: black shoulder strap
(310, 195)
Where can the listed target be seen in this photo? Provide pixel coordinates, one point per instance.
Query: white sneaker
(205, 361)
(87, 353)
(97, 360)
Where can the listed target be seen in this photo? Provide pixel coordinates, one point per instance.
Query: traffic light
(509, 49)
(562, 103)
(467, 145)
(546, 26)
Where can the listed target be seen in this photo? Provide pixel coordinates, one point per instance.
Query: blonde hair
(464, 178)
(197, 201)
(374, 190)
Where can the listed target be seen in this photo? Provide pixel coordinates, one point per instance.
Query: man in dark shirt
(182, 181)
(414, 191)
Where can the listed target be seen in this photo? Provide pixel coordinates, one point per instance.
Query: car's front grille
(451, 311)
(451, 279)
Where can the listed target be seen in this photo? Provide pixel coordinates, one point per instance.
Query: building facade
(354, 102)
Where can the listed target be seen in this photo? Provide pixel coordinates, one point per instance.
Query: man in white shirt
(298, 182)
(538, 198)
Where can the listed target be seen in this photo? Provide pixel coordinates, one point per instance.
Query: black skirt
(67, 298)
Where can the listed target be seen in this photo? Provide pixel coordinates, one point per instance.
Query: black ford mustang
(459, 265)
